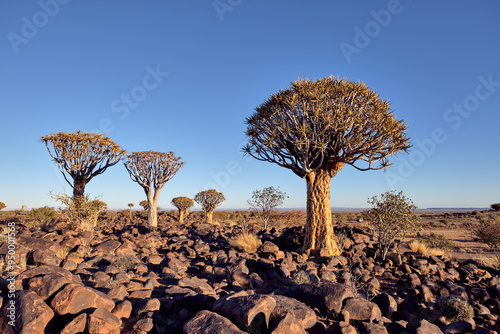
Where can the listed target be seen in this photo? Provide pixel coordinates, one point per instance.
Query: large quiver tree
(82, 156)
(314, 128)
(151, 170)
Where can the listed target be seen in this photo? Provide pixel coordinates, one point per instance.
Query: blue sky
(182, 76)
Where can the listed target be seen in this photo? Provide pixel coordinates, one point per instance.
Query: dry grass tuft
(245, 242)
(62, 252)
(419, 247)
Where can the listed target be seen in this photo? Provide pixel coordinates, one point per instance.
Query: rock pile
(187, 279)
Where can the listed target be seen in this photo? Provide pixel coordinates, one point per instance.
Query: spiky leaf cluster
(209, 199)
(182, 203)
(150, 169)
(82, 155)
(323, 124)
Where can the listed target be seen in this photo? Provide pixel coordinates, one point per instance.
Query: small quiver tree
(151, 170)
(182, 204)
(2, 206)
(392, 216)
(266, 200)
(314, 128)
(82, 156)
(209, 200)
(130, 206)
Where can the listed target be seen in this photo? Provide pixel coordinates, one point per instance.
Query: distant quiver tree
(314, 128)
(209, 200)
(82, 156)
(182, 204)
(144, 204)
(2, 205)
(265, 201)
(151, 170)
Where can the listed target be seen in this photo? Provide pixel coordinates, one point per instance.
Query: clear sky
(182, 76)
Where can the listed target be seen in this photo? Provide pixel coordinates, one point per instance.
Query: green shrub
(126, 263)
(488, 231)
(41, 216)
(436, 241)
(83, 211)
(301, 277)
(454, 308)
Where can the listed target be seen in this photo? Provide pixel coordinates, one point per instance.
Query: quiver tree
(266, 200)
(182, 204)
(2, 206)
(82, 156)
(209, 200)
(130, 205)
(314, 128)
(151, 170)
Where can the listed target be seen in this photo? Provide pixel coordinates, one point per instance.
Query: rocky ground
(187, 279)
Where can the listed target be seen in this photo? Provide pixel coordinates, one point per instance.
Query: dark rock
(326, 296)
(243, 309)
(77, 325)
(27, 313)
(103, 321)
(386, 303)
(74, 298)
(210, 322)
(458, 327)
(288, 324)
(303, 313)
(370, 328)
(422, 327)
(362, 309)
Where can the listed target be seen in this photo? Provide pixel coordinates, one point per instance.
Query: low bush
(126, 263)
(433, 240)
(41, 216)
(454, 308)
(488, 232)
(245, 242)
(301, 277)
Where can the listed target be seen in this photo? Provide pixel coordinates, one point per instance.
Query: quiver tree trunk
(78, 192)
(181, 215)
(210, 215)
(319, 226)
(152, 209)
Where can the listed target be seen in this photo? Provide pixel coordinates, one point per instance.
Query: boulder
(303, 313)
(74, 298)
(288, 324)
(326, 296)
(422, 326)
(102, 321)
(27, 313)
(210, 322)
(243, 309)
(362, 309)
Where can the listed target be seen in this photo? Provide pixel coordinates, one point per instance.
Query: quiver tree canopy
(151, 170)
(314, 128)
(209, 200)
(82, 156)
(182, 204)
